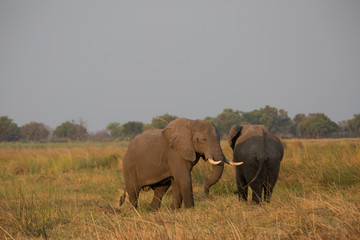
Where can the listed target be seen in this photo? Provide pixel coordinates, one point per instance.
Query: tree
(34, 131)
(162, 121)
(344, 129)
(71, 130)
(299, 118)
(277, 121)
(9, 131)
(130, 129)
(285, 125)
(317, 125)
(225, 120)
(101, 135)
(114, 129)
(354, 125)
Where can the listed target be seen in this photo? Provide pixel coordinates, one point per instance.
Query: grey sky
(105, 61)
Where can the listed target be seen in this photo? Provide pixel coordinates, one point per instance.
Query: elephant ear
(234, 134)
(178, 134)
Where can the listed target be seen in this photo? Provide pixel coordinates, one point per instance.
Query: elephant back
(249, 131)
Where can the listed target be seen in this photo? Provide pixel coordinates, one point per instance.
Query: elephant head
(234, 134)
(192, 138)
(240, 133)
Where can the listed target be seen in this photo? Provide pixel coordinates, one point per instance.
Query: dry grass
(72, 192)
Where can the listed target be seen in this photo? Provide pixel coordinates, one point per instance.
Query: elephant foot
(175, 206)
(154, 205)
(256, 201)
(153, 208)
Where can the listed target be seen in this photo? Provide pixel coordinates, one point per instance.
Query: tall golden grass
(71, 191)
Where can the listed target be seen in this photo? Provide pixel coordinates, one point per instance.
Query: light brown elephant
(159, 158)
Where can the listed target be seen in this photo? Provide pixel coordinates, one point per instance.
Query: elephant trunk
(217, 171)
(217, 167)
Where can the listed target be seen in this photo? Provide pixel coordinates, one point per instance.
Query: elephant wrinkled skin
(261, 154)
(160, 158)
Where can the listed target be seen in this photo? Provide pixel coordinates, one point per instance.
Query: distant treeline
(314, 125)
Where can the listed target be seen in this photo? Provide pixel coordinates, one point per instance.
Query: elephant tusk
(212, 161)
(233, 163)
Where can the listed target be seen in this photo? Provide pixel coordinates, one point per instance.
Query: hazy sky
(105, 61)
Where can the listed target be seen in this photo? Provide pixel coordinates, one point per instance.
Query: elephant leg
(270, 182)
(185, 185)
(257, 188)
(243, 193)
(177, 197)
(159, 192)
(187, 192)
(181, 173)
(133, 198)
(268, 189)
(271, 178)
(240, 183)
(133, 192)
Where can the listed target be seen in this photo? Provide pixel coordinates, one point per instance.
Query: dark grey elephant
(261, 152)
(160, 158)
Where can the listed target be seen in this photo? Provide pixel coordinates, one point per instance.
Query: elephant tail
(122, 198)
(261, 157)
(261, 166)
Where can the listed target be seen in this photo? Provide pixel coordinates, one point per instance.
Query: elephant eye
(204, 139)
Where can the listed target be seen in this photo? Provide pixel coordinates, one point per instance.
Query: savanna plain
(71, 191)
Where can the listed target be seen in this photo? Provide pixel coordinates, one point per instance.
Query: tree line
(314, 125)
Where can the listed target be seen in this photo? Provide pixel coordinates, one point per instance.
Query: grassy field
(71, 191)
